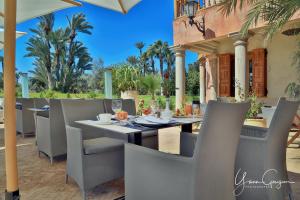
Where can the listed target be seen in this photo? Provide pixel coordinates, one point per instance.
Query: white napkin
(157, 120)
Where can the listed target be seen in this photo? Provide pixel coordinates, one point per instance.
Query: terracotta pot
(188, 109)
(256, 122)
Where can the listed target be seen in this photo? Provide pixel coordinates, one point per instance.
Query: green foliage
(92, 95)
(49, 94)
(275, 12)
(293, 90)
(255, 108)
(192, 82)
(60, 60)
(151, 83)
(127, 77)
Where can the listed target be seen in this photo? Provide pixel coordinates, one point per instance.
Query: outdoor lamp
(191, 8)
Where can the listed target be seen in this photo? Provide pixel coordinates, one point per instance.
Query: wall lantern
(191, 8)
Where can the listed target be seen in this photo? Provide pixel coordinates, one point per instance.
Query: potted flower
(252, 118)
(128, 78)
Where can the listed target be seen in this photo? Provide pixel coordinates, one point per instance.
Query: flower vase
(167, 113)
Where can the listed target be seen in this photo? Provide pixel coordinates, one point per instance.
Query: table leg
(35, 124)
(135, 138)
(187, 128)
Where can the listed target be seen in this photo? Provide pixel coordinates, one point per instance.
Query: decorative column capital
(212, 56)
(240, 43)
(179, 51)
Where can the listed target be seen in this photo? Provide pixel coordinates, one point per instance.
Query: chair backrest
(128, 105)
(267, 113)
(107, 106)
(80, 109)
(25, 117)
(57, 127)
(40, 102)
(216, 148)
(279, 128)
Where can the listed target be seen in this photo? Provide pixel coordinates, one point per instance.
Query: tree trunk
(152, 65)
(50, 81)
(161, 63)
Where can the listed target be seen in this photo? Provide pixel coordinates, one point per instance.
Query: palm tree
(82, 62)
(160, 53)
(144, 62)
(78, 24)
(39, 81)
(40, 47)
(275, 12)
(169, 60)
(151, 54)
(140, 46)
(132, 60)
(58, 39)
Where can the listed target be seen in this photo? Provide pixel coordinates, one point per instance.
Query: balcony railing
(179, 5)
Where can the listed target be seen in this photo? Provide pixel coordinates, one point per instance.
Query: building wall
(280, 70)
(280, 50)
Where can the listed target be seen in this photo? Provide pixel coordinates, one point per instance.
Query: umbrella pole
(12, 189)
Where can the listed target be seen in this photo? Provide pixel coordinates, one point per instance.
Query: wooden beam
(75, 3)
(122, 6)
(10, 7)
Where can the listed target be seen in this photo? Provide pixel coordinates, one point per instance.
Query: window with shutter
(259, 65)
(225, 75)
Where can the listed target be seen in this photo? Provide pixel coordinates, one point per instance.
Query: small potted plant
(252, 118)
(128, 79)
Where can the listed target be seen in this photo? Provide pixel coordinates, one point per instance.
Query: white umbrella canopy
(18, 34)
(122, 6)
(28, 9)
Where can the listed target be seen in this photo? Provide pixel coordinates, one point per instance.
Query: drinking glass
(196, 110)
(116, 105)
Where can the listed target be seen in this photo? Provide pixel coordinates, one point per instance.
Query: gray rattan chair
(90, 162)
(25, 123)
(208, 175)
(263, 150)
(51, 131)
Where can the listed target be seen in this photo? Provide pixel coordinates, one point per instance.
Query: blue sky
(114, 34)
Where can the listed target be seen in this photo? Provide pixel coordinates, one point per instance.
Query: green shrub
(92, 95)
(127, 77)
(49, 94)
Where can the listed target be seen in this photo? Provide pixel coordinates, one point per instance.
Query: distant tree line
(62, 62)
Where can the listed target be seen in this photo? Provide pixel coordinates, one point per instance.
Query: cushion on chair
(100, 145)
(150, 133)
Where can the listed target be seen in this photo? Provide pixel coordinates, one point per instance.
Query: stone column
(211, 77)
(180, 76)
(202, 76)
(108, 84)
(241, 86)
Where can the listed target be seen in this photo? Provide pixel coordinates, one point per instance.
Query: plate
(104, 123)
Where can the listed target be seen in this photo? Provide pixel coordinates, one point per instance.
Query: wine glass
(116, 105)
(196, 110)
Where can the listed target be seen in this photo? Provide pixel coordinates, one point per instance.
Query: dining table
(133, 128)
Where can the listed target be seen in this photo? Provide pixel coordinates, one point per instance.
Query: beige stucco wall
(280, 70)
(280, 57)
